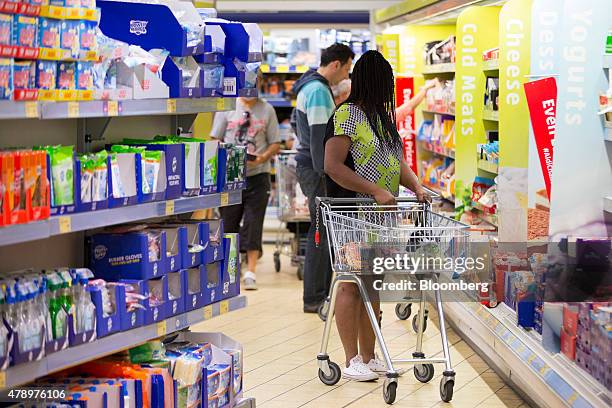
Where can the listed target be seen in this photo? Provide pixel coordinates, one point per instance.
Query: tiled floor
(281, 344)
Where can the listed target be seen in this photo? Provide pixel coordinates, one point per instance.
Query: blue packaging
(194, 286)
(111, 323)
(24, 31)
(24, 74)
(213, 285)
(6, 29)
(66, 75)
(130, 318)
(133, 255)
(231, 266)
(192, 241)
(214, 249)
(176, 292)
(6, 78)
(69, 37)
(87, 35)
(46, 74)
(84, 75)
(156, 302)
(49, 32)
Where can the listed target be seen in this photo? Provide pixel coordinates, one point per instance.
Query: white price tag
(229, 86)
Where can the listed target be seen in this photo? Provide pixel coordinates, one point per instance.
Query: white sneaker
(248, 281)
(359, 371)
(380, 368)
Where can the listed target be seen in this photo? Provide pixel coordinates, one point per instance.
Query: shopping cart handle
(286, 152)
(355, 200)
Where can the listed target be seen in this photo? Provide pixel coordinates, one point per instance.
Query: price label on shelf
(224, 307)
(169, 207)
(220, 104)
(171, 105)
(65, 224)
(208, 312)
(161, 328)
(73, 109)
(224, 199)
(282, 69)
(31, 109)
(2, 379)
(112, 108)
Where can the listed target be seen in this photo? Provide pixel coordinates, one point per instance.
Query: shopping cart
(358, 229)
(293, 214)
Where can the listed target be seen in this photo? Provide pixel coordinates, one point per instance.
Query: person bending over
(363, 158)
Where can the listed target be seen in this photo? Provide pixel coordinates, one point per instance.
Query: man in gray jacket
(315, 105)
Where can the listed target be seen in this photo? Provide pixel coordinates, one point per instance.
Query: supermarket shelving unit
(20, 115)
(545, 379)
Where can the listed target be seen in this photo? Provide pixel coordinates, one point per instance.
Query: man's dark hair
(336, 52)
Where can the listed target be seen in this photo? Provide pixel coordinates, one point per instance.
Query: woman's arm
(336, 151)
(408, 107)
(409, 180)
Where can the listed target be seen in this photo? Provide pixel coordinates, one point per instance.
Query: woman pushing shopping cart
(364, 168)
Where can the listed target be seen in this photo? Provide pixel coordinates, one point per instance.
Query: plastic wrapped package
(66, 75)
(250, 72)
(24, 75)
(49, 32)
(213, 75)
(24, 31)
(6, 78)
(6, 29)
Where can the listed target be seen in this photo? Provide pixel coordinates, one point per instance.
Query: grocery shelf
(129, 107)
(488, 166)
(283, 69)
(438, 113)
(548, 379)
(438, 150)
(608, 204)
(279, 102)
(62, 224)
(490, 115)
(490, 65)
(439, 68)
(104, 346)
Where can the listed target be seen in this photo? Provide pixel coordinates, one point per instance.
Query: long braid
(373, 89)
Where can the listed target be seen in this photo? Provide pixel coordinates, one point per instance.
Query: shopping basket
(293, 214)
(359, 229)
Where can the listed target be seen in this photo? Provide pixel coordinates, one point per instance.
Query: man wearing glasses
(253, 124)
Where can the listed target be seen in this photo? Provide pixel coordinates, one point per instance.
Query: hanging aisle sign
(542, 101)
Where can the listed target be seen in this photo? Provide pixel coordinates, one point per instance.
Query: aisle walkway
(281, 344)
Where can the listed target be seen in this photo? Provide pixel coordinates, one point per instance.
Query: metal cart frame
(286, 183)
(352, 223)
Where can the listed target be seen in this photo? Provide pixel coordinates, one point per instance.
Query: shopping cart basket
(357, 229)
(293, 214)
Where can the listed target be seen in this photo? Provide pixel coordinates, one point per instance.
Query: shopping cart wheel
(424, 372)
(277, 264)
(403, 310)
(323, 309)
(334, 375)
(415, 322)
(300, 272)
(389, 391)
(446, 389)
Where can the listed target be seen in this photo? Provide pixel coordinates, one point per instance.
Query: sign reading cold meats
(545, 50)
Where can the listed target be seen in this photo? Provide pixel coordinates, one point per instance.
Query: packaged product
(250, 71)
(99, 188)
(69, 37)
(66, 75)
(62, 173)
(150, 170)
(6, 29)
(87, 174)
(189, 71)
(6, 78)
(212, 381)
(46, 75)
(24, 74)
(145, 186)
(88, 4)
(84, 75)
(84, 309)
(24, 31)
(49, 32)
(65, 3)
(153, 350)
(87, 35)
(213, 75)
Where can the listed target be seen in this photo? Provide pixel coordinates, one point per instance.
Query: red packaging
(568, 344)
(39, 191)
(5, 186)
(18, 210)
(570, 318)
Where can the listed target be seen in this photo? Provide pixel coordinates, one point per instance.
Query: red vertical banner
(404, 90)
(542, 100)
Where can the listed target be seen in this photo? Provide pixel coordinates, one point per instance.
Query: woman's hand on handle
(383, 197)
(422, 195)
